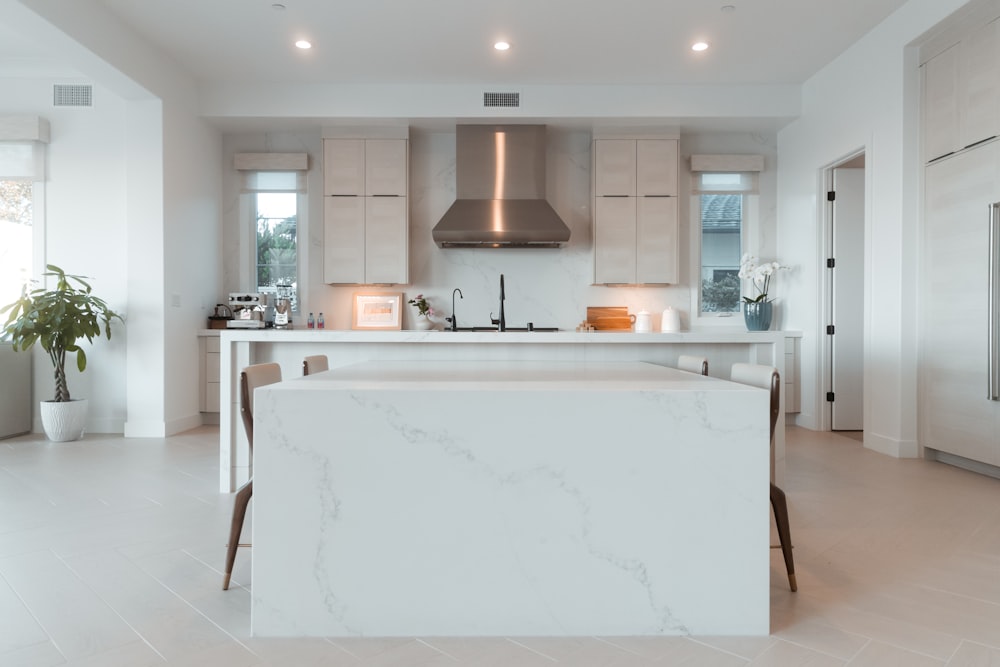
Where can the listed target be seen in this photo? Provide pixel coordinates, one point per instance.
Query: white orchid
(759, 275)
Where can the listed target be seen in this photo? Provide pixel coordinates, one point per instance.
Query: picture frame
(377, 311)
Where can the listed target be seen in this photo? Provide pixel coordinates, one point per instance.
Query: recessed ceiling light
(277, 6)
(304, 44)
(728, 9)
(699, 46)
(501, 46)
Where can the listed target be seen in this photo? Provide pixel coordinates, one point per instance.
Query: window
(723, 204)
(20, 168)
(274, 203)
(276, 253)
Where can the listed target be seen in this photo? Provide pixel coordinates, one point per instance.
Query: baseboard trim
(148, 429)
(175, 426)
(964, 463)
(900, 449)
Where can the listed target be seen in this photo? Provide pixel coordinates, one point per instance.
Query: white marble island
(430, 498)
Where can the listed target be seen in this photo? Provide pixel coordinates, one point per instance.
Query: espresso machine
(248, 310)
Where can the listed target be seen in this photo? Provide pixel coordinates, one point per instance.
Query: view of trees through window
(277, 245)
(15, 238)
(721, 234)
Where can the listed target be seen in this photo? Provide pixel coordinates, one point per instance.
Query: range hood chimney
(500, 191)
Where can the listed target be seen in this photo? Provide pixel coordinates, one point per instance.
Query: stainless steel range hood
(500, 191)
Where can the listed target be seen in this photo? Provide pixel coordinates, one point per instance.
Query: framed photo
(377, 310)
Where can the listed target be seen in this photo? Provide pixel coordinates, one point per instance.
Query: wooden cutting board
(609, 318)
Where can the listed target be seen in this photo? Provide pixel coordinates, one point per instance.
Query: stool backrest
(765, 377)
(316, 363)
(692, 364)
(252, 377)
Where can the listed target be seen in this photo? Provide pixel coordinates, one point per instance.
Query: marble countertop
(705, 335)
(511, 376)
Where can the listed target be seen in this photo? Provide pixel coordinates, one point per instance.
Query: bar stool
(692, 364)
(767, 377)
(316, 363)
(251, 377)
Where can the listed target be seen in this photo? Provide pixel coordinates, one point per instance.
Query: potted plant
(424, 312)
(757, 309)
(57, 319)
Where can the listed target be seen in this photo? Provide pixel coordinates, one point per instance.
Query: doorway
(843, 378)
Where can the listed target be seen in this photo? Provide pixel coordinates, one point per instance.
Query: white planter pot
(64, 421)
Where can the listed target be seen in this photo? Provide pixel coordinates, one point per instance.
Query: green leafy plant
(57, 319)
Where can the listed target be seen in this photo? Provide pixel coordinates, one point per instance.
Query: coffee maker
(248, 310)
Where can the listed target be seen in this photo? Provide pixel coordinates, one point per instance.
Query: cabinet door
(344, 243)
(614, 166)
(656, 167)
(656, 240)
(614, 239)
(386, 240)
(941, 104)
(344, 167)
(385, 167)
(979, 95)
(955, 414)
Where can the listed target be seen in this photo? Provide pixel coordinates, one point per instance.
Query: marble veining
(510, 505)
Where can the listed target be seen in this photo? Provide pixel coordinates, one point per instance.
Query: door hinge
(831, 196)
(830, 262)
(829, 397)
(829, 329)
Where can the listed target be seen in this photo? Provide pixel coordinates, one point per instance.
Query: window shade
(727, 163)
(272, 181)
(725, 183)
(22, 160)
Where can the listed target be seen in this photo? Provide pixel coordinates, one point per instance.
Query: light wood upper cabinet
(635, 211)
(385, 167)
(656, 168)
(961, 93)
(344, 167)
(365, 211)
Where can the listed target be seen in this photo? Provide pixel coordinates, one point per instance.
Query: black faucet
(501, 322)
(454, 319)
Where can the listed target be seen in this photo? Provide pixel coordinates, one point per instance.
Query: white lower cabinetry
(208, 346)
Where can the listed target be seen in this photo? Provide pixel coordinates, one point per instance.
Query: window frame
(749, 237)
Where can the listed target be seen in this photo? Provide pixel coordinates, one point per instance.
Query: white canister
(643, 321)
(671, 321)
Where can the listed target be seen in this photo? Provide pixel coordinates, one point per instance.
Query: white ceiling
(627, 42)
(450, 41)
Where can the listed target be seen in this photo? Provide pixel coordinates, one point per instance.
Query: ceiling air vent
(501, 99)
(64, 95)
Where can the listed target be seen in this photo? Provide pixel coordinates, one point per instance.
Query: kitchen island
(239, 348)
(477, 498)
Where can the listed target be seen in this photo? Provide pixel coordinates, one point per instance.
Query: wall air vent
(501, 99)
(65, 95)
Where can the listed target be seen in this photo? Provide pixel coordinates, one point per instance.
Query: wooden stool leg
(236, 527)
(780, 507)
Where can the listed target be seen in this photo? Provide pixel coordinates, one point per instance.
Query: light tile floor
(111, 553)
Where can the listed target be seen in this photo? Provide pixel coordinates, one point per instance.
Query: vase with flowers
(757, 308)
(424, 312)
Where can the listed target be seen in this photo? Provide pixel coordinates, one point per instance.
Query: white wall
(549, 287)
(866, 98)
(85, 230)
(158, 228)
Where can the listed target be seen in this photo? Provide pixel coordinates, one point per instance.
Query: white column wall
(866, 98)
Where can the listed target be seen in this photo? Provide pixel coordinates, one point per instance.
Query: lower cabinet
(208, 347)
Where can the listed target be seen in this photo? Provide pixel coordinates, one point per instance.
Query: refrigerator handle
(993, 311)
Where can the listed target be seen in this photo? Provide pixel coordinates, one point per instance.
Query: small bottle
(310, 323)
(321, 323)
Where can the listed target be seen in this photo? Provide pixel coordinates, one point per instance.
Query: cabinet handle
(992, 324)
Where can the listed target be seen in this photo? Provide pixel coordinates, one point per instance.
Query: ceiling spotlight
(277, 6)
(699, 46)
(728, 9)
(501, 46)
(304, 44)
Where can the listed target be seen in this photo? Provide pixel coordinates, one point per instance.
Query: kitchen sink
(494, 328)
